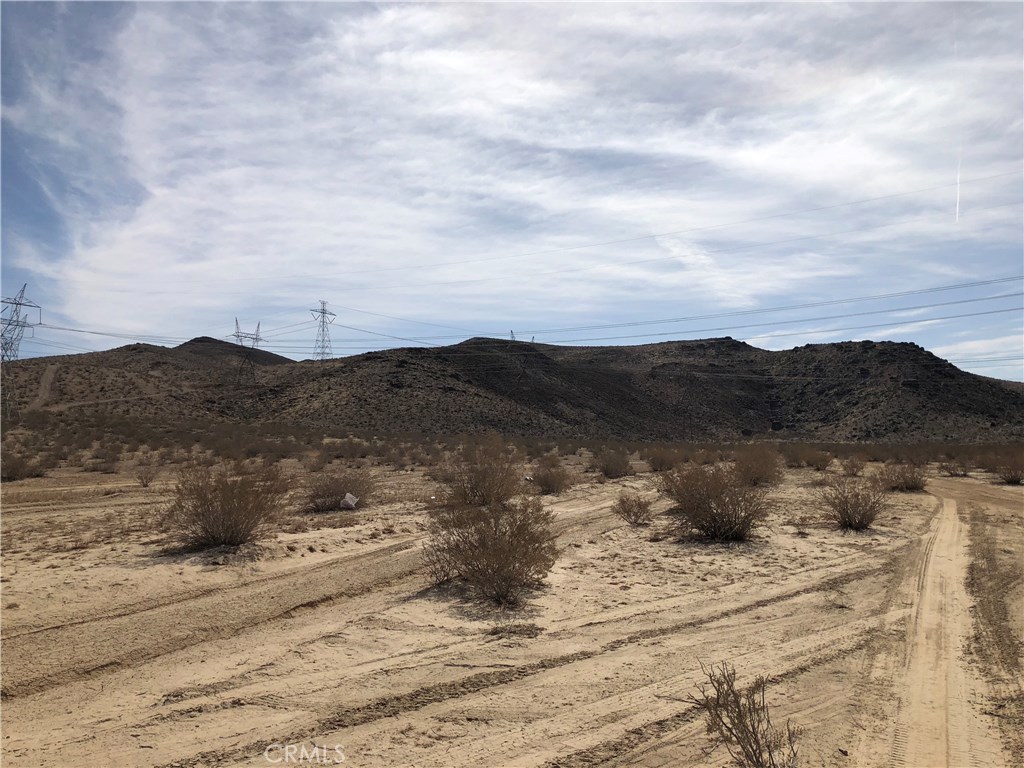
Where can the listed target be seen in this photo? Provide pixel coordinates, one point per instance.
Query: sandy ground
(896, 647)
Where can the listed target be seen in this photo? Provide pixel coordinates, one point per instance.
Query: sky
(569, 173)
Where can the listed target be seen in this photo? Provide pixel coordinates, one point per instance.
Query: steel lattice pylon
(322, 349)
(15, 321)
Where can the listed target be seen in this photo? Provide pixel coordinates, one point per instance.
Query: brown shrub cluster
(853, 504)
(715, 502)
(903, 476)
(757, 464)
(326, 491)
(500, 545)
(633, 508)
(613, 463)
(550, 476)
(219, 507)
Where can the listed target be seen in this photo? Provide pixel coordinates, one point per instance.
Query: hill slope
(712, 389)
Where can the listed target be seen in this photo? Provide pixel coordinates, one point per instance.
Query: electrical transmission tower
(322, 350)
(15, 321)
(246, 368)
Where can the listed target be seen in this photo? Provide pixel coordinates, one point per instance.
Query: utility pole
(246, 368)
(15, 321)
(322, 349)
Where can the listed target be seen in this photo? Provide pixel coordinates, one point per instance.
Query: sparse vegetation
(215, 507)
(714, 502)
(1008, 465)
(14, 466)
(326, 491)
(956, 466)
(146, 474)
(902, 476)
(739, 718)
(482, 474)
(550, 476)
(661, 458)
(613, 463)
(853, 504)
(853, 466)
(633, 508)
(758, 464)
(501, 550)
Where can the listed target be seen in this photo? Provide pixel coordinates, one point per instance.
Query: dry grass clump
(550, 476)
(326, 492)
(613, 463)
(500, 550)
(484, 473)
(758, 464)
(902, 477)
(715, 502)
(739, 718)
(218, 507)
(633, 508)
(853, 504)
(853, 466)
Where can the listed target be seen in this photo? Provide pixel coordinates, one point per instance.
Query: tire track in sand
(938, 724)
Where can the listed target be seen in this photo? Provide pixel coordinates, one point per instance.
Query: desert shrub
(956, 467)
(819, 460)
(758, 464)
(316, 461)
(802, 455)
(613, 463)
(326, 492)
(481, 474)
(215, 507)
(15, 466)
(740, 719)
(500, 550)
(853, 466)
(633, 508)
(853, 504)
(661, 458)
(1010, 469)
(146, 474)
(550, 476)
(899, 476)
(714, 502)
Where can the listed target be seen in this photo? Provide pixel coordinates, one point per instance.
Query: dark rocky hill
(711, 389)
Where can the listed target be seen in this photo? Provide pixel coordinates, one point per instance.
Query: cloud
(444, 163)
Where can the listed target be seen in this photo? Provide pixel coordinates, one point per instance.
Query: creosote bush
(661, 458)
(217, 507)
(902, 477)
(633, 508)
(853, 466)
(480, 532)
(758, 464)
(146, 474)
(14, 466)
(1008, 466)
(483, 473)
(740, 719)
(501, 550)
(957, 466)
(613, 463)
(326, 491)
(550, 476)
(715, 502)
(853, 504)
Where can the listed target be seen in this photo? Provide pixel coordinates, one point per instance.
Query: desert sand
(888, 648)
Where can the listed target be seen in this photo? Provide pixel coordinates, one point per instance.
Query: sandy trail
(45, 387)
(939, 720)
